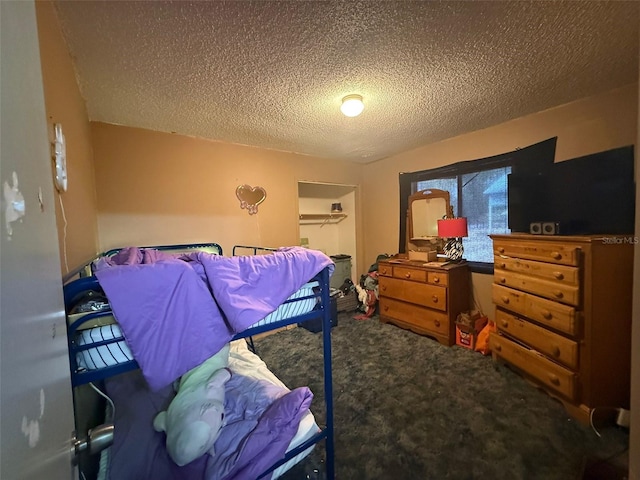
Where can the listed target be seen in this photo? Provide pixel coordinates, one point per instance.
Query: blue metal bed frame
(74, 289)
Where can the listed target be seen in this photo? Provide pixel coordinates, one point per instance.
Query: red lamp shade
(452, 227)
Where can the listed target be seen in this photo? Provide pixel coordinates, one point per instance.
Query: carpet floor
(406, 407)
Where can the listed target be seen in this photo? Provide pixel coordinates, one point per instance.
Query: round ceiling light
(352, 105)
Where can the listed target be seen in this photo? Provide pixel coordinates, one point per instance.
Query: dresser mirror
(426, 207)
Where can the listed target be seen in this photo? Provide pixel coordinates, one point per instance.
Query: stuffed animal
(194, 417)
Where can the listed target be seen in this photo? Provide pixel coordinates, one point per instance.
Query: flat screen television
(594, 194)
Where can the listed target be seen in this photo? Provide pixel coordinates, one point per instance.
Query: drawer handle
(436, 323)
(504, 323)
(383, 288)
(434, 298)
(505, 299)
(558, 293)
(546, 314)
(407, 275)
(500, 249)
(436, 280)
(554, 379)
(556, 255)
(558, 275)
(556, 351)
(502, 265)
(386, 308)
(498, 347)
(503, 280)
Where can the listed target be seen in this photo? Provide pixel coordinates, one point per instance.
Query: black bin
(315, 326)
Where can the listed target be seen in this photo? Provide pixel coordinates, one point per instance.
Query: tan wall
(157, 188)
(65, 105)
(586, 126)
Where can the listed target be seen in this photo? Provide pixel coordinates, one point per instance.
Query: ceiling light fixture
(352, 105)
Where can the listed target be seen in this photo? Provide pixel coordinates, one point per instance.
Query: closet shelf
(323, 217)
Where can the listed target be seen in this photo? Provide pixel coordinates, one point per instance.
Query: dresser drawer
(554, 346)
(438, 278)
(385, 270)
(431, 296)
(408, 273)
(569, 294)
(550, 374)
(508, 298)
(421, 317)
(563, 318)
(541, 251)
(550, 271)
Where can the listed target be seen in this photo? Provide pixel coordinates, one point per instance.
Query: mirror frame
(421, 195)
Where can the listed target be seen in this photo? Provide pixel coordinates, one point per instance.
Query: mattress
(295, 305)
(103, 355)
(244, 362)
(117, 352)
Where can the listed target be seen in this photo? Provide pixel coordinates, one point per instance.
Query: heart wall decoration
(250, 197)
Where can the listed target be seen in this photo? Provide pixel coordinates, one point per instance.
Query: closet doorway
(327, 220)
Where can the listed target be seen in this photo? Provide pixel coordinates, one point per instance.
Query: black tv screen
(594, 194)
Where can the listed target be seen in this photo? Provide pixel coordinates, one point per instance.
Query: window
(479, 191)
(484, 204)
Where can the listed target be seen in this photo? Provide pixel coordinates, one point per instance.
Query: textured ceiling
(272, 73)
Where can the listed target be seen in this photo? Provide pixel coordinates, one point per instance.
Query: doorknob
(98, 438)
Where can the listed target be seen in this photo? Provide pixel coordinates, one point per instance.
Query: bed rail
(86, 269)
(182, 248)
(254, 250)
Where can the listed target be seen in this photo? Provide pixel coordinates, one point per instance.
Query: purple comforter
(175, 312)
(261, 420)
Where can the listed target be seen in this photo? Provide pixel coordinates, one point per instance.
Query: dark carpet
(406, 407)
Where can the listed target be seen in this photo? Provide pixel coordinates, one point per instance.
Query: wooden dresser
(424, 299)
(563, 315)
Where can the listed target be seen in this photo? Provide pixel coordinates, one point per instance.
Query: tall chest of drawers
(423, 299)
(563, 315)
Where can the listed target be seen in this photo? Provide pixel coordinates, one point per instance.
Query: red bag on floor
(482, 344)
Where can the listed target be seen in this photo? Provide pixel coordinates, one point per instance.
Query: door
(36, 417)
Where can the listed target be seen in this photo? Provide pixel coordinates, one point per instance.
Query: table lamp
(453, 229)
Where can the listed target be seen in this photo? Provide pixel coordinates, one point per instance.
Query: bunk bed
(98, 351)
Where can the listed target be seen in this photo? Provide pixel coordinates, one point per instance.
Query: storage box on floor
(342, 270)
(315, 326)
(468, 326)
(348, 302)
